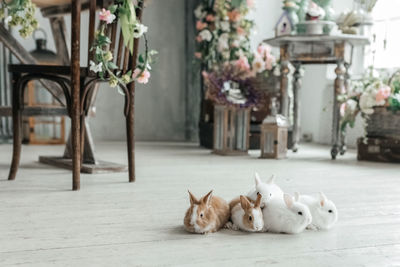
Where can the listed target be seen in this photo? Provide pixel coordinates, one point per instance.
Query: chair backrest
(122, 56)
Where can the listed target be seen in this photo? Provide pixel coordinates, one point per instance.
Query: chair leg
(17, 125)
(131, 140)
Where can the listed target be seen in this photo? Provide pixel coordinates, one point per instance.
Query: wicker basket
(384, 123)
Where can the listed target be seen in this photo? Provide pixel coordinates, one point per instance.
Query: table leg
(338, 89)
(296, 106)
(343, 146)
(284, 84)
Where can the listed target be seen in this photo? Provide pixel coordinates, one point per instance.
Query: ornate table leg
(296, 106)
(338, 88)
(284, 82)
(343, 146)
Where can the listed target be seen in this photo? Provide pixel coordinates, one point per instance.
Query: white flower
(351, 104)
(236, 43)
(7, 20)
(223, 42)
(277, 71)
(96, 68)
(198, 12)
(205, 35)
(140, 29)
(225, 26)
(367, 101)
(258, 65)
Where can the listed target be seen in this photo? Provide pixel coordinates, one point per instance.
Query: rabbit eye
(250, 218)
(300, 213)
(201, 215)
(330, 211)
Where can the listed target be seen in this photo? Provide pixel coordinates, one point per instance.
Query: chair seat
(44, 111)
(46, 69)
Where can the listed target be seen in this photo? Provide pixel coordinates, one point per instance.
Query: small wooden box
(378, 149)
(231, 130)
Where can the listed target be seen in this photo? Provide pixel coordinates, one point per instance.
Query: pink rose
(270, 62)
(243, 63)
(250, 3)
(342, 109)
(105, 15)
(234, 15)
(383, 94)
(210, 18)
(200, 25)
(143, 77)
(197, 55)
(240, 31)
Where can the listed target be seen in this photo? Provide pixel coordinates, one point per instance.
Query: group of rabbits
(266, 208)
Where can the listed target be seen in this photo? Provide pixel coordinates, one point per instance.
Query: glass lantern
(231, 130)
(274, 134)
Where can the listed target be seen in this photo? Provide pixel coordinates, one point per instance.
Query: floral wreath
(217, 91)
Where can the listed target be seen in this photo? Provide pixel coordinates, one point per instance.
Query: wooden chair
(77, 84)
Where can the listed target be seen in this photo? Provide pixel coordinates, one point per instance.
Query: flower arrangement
(366, 94)
(223, 31)
(19, 13)
(264, 62)
(131, 27)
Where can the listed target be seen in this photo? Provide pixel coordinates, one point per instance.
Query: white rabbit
(246, 215)
(268, 190)
(287, 216)
(323, 211)
(207, 215)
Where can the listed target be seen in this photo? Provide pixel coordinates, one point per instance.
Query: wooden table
(316, 49)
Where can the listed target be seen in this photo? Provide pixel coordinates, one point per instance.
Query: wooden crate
(378, 149)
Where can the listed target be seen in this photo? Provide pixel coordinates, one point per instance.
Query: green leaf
(113, 8)
(112, 66)
(236, 3)
(141, 59)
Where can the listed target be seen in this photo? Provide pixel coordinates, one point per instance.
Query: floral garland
(19, 13)
(124, 11)
(367, 93)
(222, 31)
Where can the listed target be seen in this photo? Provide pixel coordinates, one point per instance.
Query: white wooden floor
(113, 223)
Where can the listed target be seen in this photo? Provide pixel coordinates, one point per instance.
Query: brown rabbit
(207, 215)
(246, 214)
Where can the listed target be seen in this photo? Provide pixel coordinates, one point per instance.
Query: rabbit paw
(312, 227)
(228, 225)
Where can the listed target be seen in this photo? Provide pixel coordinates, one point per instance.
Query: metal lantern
(46, 129)
(231, 130)
(274, 134)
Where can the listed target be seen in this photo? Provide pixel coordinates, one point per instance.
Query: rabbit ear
(258, 201)
(296, 196)
(271, 180)
(193, 199)
(257, 178)
(322, 199)
(244, 202)
(288, 200)
(207, 198)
